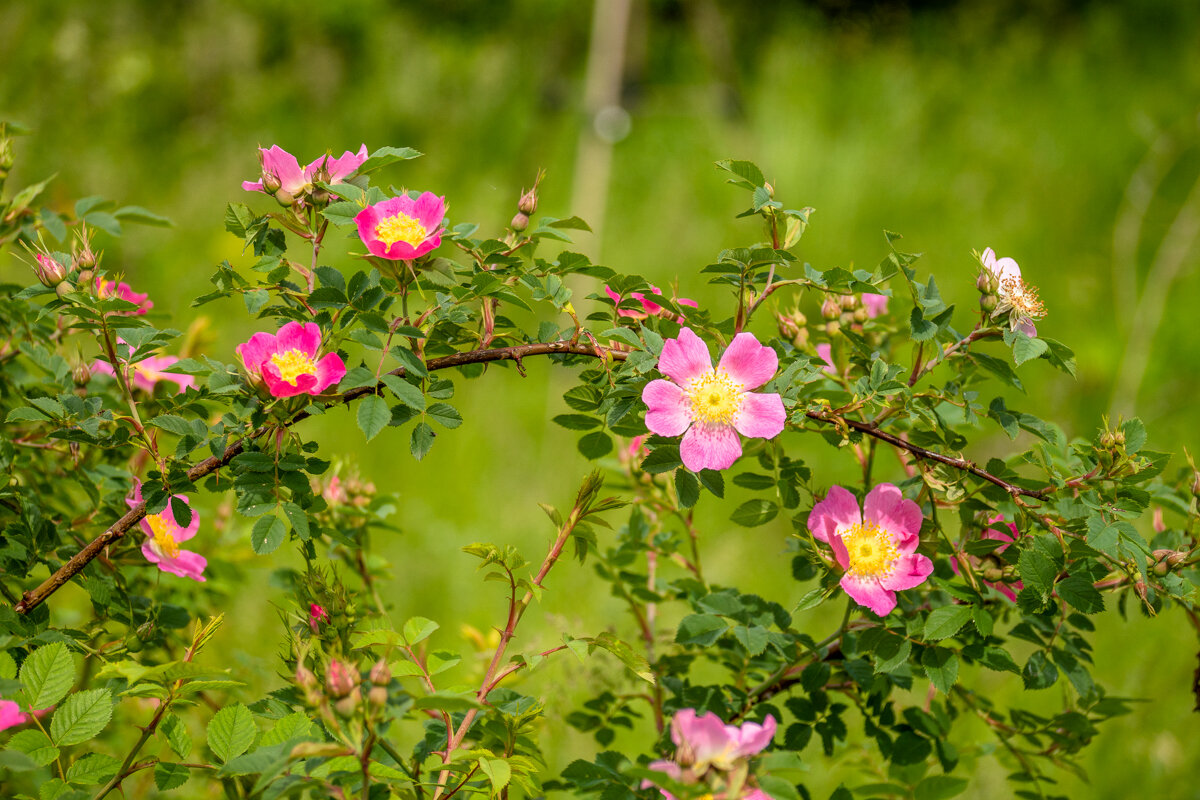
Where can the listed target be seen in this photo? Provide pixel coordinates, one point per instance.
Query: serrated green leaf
(944, 622)
(753, 513)
(268, 533)
(422, 440)
(81, 717)
(941, 665)
(418, 629)
(231, 731)
(92, 769)
(939, 787)
(169, 776)
(47, 675)
(373, 415)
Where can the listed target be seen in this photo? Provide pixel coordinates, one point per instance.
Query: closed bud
(319, 197)
(381, 675)
(986, 282)
(305, 678)
(993, 573)
(81, 374)
(348, 704)
(378, 696)
(770, 189)
(85, 259)
(831, 308)
(849, 301)
(270, 182)
(861, 315)
(48, 270)
(84, 276)
(788, 327)
(528, 202)
(64, 288)
(833, 327)
(285, 199)
(1196, 485)
(341, 678)
(988, 303)
(520, 222)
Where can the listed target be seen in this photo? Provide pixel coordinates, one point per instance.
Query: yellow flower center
(400, 228)
(164, 535)
(1022, 297)
(292, 364)
(872, 553)
(715, 398)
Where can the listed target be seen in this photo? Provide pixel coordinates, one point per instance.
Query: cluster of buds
(352, 493)
(65, 272)
(1164, 560)
(793, 326)
(341, 681)
(380, 676)
(527, 205)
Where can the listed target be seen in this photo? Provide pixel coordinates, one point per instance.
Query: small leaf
(498, 772)
(373, 415)
(1079, 592)
(231, 731)
(700, 629)
(939, 787)
(422, 440)
(418, 629)
(1027, 349)
(268, 533)
(941, 665)
(595, 445)
(81, 717)
(753, 513)
(47, 675)
(169, 776)
(946, 621)
(687, 487)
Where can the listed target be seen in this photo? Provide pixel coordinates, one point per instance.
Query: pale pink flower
(1009, 590)
(295, 181)
(875, 304)
(876, 547)
(710, 407)
(164, 535)
(1017, 299)
(825, 352)
(107, 288)
(401, 228)
(649, 307)
(703, 741)
(287, 361)
(147, 373)
(10, 714)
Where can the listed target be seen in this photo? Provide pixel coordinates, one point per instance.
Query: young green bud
(831, 308)
(520, 222)
(285, 199)
(378, 696)
(348, 704)
(7, 157)
(833, 327)
(81, 374)
(381, 674)
(305, 678)
(64, 288)
(988, 303)
(849, 302)
(270, 182)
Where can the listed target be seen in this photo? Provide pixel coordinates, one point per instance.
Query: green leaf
(939, 787)
(1037, 571)
(700, 629)
(92, 769)
(268, 533)
(941, 665)
(34, 744)
(418, 629)
(373, 415)
(946, 621)
(1080, 593)
(999, 660)
(405, 392)
(577, 422)
(176, 734)
(81, 717)
(498, 772)
(341, 213)
(596, 444)
(47, 675)
(384, 156)
(687, 487)
(753, 513)
(445, 415)
(1039, 673)
(1027, 349)
(231, 731)
(422, 440)
(142, 216)
(169, 776)
(921, 329)
(778, 788)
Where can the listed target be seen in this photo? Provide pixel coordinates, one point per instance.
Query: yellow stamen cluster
(400, 228)
(164, 535)
(715, 398)
(1022, 297)
(872, 553)
(292, 364)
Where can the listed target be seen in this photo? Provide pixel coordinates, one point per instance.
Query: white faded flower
(1018, 299)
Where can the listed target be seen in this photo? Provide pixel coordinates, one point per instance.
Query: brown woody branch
(35, 597)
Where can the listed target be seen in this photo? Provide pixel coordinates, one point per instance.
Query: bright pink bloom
(401, 228)
(876, 547)
(106, 288)
(825, 351)
(875, 304)
(1017, 298)
(1009, 590)
(10, 714)
(649, 308)
(710, 407)
(316, 615)
(287, 360)
(164, 535)
(147, 373)
(296, 181)
(704, 741)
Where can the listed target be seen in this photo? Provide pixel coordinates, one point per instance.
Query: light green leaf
(946, 621)
(81, 717)
(373, 415)
(231, 731)
(47, 675)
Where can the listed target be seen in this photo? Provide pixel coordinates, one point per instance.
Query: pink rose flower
(147, 373)
(164, 535)
(710, 407)
(10, 714)
(1017, 298)
(106, 288)
(649, 308)
(284, 167)
(287, 361)
(1006, 589)
(877, 547)
(401, 228)
(825, 352)
(875, 304)
(703, 741)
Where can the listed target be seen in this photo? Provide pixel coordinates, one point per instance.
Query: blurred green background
(1063, 134)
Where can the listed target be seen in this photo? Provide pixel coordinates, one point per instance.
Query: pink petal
(910, 570)
(257, 351)
(365, 221)
(825, 352)
(867, 592)
(760, 416)
(709, 447)
(838, 511)
(886, 507)
(306, 338)
(1028, 328)
(748, 362)
(330, 370)
(840, 553)
(1006, 268)
(753, 737)
(669, 411)
(685, 358)
(252, 186)
(988, 259)
(616, 298)
(10, 714)
(429, 210)
(706, 736)
(285, 167)
(148, 551)
(876, 304)
(683, 301)
(186, 565)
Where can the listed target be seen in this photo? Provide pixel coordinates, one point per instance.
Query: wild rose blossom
(10, 714)
(401, 228)
(107, 288)
(1017, 299)
(704, 741)
(649, 307)
(875, 304)
(294, 180)
(710, 407)
(164, 535)
(1007, 537)
(287, 361)
(876, 547)
(147, 373)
